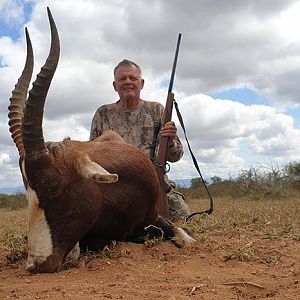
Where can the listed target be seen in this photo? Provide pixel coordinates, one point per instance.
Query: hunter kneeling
(138, 122)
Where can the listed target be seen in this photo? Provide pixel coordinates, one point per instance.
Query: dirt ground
(162, 271)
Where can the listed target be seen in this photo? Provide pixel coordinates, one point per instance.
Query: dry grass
(13, 202)
(243, 225)
(267, 218)
(13, 239)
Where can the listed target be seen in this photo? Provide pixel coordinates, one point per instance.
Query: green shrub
(13, 202)
(255, 183)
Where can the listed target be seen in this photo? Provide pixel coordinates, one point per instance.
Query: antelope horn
(17, 100)
(32, 131)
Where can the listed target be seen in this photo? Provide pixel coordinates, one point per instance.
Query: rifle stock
(161, 159)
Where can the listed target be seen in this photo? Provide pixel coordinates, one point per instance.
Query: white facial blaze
(39, 237)
(40, 245)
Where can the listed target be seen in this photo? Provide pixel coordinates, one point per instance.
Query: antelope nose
(31, 267)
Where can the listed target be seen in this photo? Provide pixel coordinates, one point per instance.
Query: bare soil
(162, 271)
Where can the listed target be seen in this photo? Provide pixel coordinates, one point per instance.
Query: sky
(237, 79)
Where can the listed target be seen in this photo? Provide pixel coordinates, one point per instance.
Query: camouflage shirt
(136, 126)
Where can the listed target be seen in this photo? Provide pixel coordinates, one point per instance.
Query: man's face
(128, 83)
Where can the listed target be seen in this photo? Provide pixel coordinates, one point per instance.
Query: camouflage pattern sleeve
(175, 150)
(94, 133)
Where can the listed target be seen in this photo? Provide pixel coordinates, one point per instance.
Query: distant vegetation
(255, 183)
(13, 201)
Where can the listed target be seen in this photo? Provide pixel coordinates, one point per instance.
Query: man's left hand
(169, 130)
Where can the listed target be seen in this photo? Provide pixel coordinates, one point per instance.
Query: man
(137, 121)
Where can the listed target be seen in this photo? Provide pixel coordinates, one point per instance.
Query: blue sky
(295, 113)
(243, 95)
(237, 78)
(10, 26)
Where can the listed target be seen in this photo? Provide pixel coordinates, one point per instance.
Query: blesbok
(86, 192)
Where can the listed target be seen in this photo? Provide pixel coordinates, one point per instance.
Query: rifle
(161, 159)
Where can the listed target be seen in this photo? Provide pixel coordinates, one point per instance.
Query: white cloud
(10, 175)
(4, 158)
(216, 129)
(57, 130)
(11, 12)
(225, 44)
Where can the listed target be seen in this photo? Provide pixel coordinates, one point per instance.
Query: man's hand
(169, 130)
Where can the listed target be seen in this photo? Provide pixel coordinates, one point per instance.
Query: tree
(216, 179)
(293, 169)
(195, 182)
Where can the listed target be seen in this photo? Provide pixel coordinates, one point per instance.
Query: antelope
(79, 193)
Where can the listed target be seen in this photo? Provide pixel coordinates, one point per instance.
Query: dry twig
(243, 283)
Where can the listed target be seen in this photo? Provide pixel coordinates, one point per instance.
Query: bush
(12, 202)
(255, 183)
(259, 183)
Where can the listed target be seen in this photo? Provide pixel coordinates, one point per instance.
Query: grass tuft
(15, 244)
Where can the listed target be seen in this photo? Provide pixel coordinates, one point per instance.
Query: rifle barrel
(174, 64)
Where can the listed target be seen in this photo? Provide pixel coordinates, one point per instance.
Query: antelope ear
(91, 170)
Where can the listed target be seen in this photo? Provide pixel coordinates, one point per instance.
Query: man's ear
(142, 83)
(114, 85)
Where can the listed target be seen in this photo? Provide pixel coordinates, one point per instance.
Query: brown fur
(78, 208)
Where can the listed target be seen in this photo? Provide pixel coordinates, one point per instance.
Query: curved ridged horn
(32, 132)
(17, 100)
